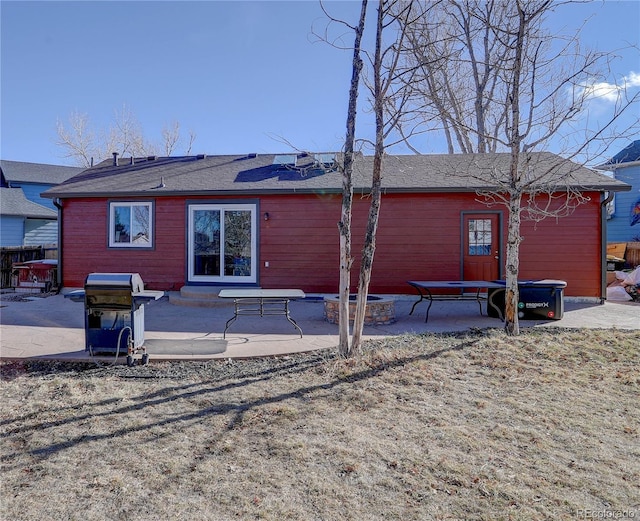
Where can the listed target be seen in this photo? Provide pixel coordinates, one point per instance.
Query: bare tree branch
(498, 80)
(124, 136)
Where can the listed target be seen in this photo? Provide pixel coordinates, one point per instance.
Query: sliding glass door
(222, 243)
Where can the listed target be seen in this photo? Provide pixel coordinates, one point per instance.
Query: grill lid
(131, 281)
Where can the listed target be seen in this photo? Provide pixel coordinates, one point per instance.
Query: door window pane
(237, 243)
(206, 242)
(480, 236)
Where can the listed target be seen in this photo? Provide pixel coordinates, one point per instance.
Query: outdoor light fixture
(266, 216)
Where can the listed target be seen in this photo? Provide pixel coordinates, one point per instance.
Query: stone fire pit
(379, 311)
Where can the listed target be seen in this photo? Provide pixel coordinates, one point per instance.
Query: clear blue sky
(240, 74)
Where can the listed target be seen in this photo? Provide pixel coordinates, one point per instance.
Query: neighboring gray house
(623, 224)
(26, 219)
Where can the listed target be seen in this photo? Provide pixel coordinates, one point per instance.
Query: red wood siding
(85, 245)
(418, 238)
(566, 249)
(300, 242)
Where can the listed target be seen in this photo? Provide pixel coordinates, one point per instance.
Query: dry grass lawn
(473, 426)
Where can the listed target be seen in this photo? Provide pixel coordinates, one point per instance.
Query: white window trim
(119, 204)
(253, 208)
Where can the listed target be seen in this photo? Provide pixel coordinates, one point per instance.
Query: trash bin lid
(538, 282)
(548, 282)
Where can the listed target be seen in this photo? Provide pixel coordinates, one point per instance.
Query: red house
(271, 221)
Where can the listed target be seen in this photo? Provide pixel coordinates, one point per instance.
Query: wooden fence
(632, 255)
(11, 255)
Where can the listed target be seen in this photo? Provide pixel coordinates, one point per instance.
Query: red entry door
(481, 255)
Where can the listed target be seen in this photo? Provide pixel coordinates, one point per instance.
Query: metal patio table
(424, 287)
(261, 302)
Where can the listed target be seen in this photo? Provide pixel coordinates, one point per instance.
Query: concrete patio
(53, 327)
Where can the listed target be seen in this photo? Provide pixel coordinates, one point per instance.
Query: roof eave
(273, 191)
(616, 166)
(185, 193)
(306, 191)
(32, 216)
(612, 188)
(254, 192)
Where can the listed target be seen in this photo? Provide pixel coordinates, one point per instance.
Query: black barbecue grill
(114, 313)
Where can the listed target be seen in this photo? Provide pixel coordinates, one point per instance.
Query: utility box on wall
(537, 300)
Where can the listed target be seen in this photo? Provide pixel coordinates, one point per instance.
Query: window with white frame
(130, 224)
(222, 242)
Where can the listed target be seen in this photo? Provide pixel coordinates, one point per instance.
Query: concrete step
(200, 292)
(198, 297)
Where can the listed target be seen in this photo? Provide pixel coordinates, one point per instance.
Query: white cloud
(633, 80)
(602, 90)
(610, 92)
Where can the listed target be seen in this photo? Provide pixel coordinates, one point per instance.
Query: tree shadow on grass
(44, 368)
(194, 390)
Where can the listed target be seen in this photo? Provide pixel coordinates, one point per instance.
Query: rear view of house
(271, 221)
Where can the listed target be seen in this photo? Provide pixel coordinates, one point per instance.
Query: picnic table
(456, 291)
(261, 302)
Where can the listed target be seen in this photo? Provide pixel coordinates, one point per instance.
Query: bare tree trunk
(512, 325)
(369, 246)
(512, 267)
(368, 249)
(344, 226)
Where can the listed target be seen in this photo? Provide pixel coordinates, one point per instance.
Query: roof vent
(201, 156)
(115, 158)
(161, 184)
(151, 158)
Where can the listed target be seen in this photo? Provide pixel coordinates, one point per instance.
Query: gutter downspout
(603, 247)
(58, 204)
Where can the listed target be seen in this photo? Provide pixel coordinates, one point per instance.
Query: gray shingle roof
(21, 172)
(45, 234)
(14, 202)
(256, 174)
(629, 154)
